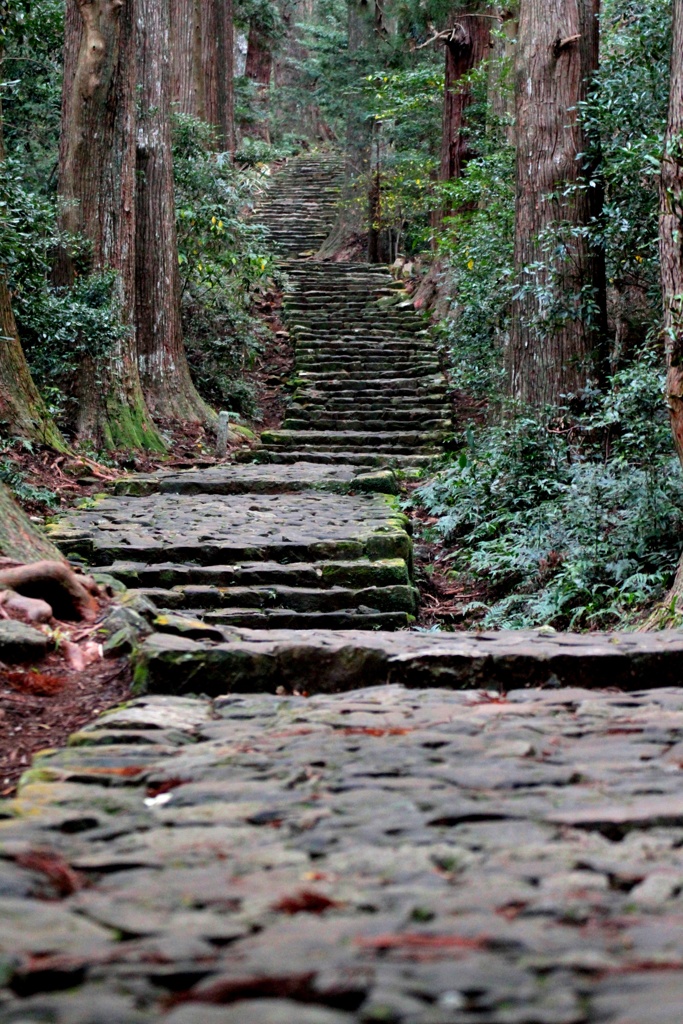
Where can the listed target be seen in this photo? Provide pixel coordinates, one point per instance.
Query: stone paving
(386, 856)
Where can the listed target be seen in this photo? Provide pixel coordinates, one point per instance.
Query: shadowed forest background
(518, 166)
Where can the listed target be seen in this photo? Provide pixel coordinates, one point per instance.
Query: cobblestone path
(326, 837)
(388, 856)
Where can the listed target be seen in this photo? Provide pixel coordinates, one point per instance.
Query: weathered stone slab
(328, 661)
(19, 642)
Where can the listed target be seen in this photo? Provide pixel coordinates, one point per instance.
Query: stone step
(336, 458)
(222, 530)
(252, 660)
(285, 618)
(357, 574)
(391, 598)
(360, 423)
(353, 438)
(255, 479)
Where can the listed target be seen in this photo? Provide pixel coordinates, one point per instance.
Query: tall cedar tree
(553, 341)
(671, 233)
(467, 45)
(258, 69)
(187, 79)
(22, 410)
(164, 373)
(202, 64)
(352, 221)
(218, 43)
(97, 179)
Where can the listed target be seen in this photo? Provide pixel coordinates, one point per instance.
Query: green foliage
(57, 326)
(576, 524)
(224, 261)
(626, 116)
(31, 91)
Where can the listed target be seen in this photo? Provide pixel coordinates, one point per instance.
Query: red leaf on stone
(361, 730)
(511, 911)
(157, 788)
(232, 990)
(416, 942)
(129, 771)
(305, 902)
(61, 875)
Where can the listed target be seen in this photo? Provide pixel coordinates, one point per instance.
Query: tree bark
(20, 540)
(97, 179)
(671, 234)
(218, 63)
(22, 410)
(187, 77)
(164, 372)
(558, 313)
(258, 68)
(501, 95)
(468, 45)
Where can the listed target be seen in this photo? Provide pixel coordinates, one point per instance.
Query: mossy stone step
(283, 618)
(392, 598)
(321, 575)
(275, 456)
(257, 479)
(333, 438)
(332, 661)
(360, 423)
(220, 530)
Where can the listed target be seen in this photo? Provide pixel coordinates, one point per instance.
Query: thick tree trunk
(20, 540)
(164, 373)
(22, 410)
(501, 95)
(187, 76)
(671, 235)
(558, 315)
(218, 63)
(97, 179)
(258, 68)
(671, 258)
(468, 45)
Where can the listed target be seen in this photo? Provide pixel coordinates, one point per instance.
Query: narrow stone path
(262, 547)
(494, 838)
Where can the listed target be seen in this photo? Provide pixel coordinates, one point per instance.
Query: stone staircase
(299, 209)
(308, 535)
(369, 391)
(295, 571)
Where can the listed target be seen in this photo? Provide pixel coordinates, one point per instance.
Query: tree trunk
(97, 179)
(558, 313)
(187, 77)
(467, 46)
(164, 373)
(20, 540)
(671, 259)
(671, 234)
(218, 63)
(501, 95)
(22, 410)
(361, 199)
(258, 69)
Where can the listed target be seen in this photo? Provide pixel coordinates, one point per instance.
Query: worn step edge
(332, 661)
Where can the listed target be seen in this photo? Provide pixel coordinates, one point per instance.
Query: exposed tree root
(71, 596)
